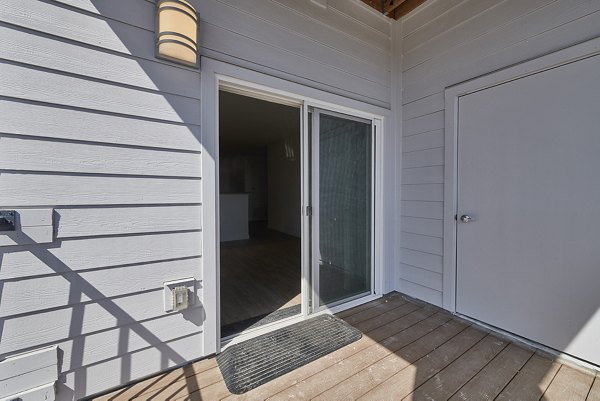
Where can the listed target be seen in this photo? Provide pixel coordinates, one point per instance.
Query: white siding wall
(98, 129)
(344, 49)
(443, 43)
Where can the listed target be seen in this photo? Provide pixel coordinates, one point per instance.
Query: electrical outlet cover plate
(169, 286)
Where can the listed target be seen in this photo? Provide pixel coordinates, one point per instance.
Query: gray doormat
(251, 363)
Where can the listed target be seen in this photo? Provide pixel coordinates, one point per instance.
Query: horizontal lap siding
(93, 253)
(54, 325)
(102, 375)
(444, 43)
(24, 82)
(32, 49)
(53, 121)
(97, 128)
(84, 222)
(299, 41)
(51, 156)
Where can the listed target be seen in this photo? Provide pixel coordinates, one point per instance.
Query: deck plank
(183, 386)
(290, 379)
(216, 391)
(409, 350)
(569, 385)
(367, 305)
(531, 381)
(368, 378)
(163, 380)
(381, 333)
(386, 317)
(375, 311)
(594, 394)
(488, 383)
(404, 382)
(314, 385)
(449, 380)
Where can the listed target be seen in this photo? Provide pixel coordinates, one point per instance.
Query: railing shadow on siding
(168, 356)
(126, 324)
(79, 287)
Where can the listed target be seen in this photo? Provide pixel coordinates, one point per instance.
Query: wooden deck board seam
(550, 382)
(383, 321)
(396, 304)
(404, 346)
(361, 350)
(467, 326)
(386, 323)
(481, 369)
(349, 356)
(450, 363)
(369, 305)
(514, 375)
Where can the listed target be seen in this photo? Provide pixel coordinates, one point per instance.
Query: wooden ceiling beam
(394, 8)
(376, 4)
(388, 5)
(406, 7)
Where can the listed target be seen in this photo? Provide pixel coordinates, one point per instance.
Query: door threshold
(257, 331)
(267, 328)
(348, 305)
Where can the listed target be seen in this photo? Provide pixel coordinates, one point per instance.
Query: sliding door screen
(343, 194)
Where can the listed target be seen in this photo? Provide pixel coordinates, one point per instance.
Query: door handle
(465, 218)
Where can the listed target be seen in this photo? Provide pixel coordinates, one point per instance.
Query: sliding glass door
(342, 207)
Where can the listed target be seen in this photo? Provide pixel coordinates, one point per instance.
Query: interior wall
(284, 185)
(444, 43)
(232, 177)
(246, 172)
(256, 184)
(109, 137)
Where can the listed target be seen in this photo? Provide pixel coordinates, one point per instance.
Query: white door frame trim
(452, 95)
(215, 74)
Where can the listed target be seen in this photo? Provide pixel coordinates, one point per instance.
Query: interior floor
(346, 284)
(263, 276)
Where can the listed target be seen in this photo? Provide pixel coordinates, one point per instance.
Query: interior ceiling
(247, 123)
(394, 8)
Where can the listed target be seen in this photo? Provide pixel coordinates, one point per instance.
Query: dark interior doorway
(260, 203)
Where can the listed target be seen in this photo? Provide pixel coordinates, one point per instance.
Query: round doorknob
(465, 218)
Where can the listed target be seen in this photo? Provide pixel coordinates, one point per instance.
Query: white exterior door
(529, 177)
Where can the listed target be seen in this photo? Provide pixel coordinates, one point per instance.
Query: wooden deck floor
(409, 351)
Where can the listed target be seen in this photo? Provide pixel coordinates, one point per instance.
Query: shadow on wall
(81, 294)
(79, 343)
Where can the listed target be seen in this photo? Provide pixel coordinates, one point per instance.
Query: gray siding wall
(445, 42)
(98, 129)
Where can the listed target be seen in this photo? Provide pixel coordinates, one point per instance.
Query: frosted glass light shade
(177, 32)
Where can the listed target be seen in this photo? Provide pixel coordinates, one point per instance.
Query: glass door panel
(342, 207)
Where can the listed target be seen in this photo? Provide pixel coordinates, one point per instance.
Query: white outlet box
(171, 286)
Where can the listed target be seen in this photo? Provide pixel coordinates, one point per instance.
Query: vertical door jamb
(314, 191)
(306, 203)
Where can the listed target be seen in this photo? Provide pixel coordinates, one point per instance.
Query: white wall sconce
(177, 32)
